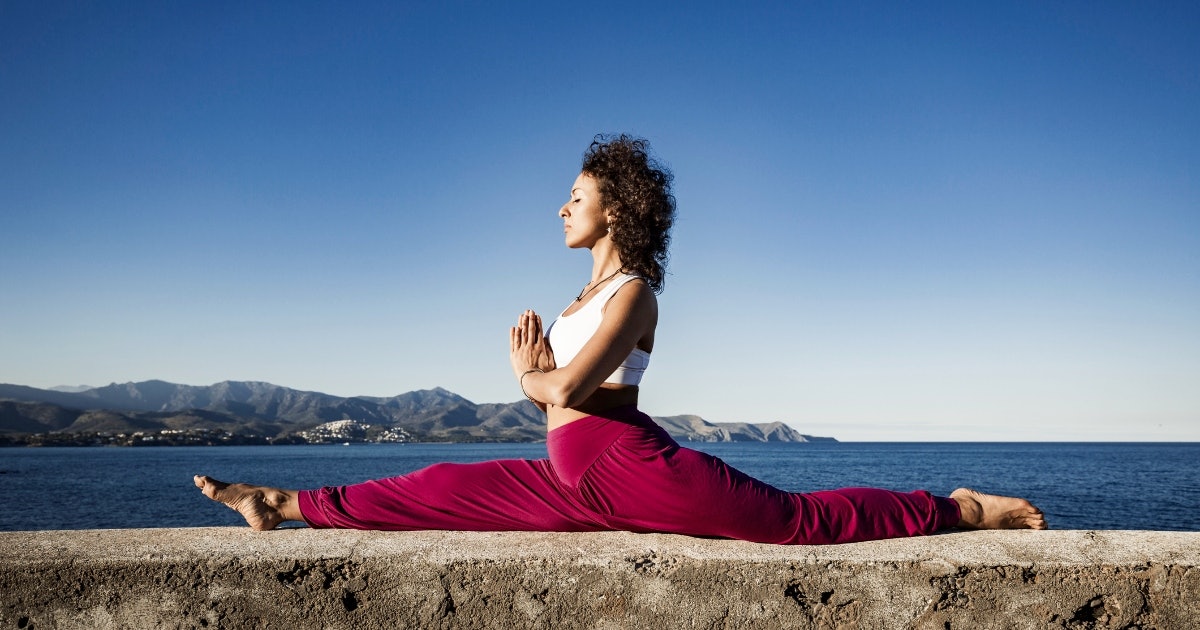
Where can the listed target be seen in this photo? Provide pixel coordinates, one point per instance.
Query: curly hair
(636, 191)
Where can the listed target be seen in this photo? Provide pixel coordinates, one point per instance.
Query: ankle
(288, 505)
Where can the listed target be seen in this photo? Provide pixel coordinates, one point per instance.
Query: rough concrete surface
(300, 578)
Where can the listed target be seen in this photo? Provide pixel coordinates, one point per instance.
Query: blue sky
(897, 221)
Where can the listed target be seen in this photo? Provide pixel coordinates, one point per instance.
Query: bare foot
(263, 508)
(990, 511)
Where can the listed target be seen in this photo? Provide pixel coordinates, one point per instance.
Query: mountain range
(248, 407)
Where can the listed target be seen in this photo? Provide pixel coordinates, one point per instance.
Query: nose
(562, 212)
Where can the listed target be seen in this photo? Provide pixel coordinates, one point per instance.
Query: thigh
(640, 486)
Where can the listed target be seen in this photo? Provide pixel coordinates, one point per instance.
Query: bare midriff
(608, 396)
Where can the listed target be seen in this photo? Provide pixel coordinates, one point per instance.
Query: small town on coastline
(336, 432)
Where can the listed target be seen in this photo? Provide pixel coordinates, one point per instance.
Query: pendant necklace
(587, 288)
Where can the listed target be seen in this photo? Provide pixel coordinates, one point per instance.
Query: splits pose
(610, 467)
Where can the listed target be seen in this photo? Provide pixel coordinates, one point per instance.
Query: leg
(689, 492)
(858, 514)
(644, 481)
(486, 496)
(502, 495)
(697, 494)
(263, 508)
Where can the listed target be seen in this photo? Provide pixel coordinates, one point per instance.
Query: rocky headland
(246, 412)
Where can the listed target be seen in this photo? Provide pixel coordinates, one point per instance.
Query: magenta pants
(621, 471)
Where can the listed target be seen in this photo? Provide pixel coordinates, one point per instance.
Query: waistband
(625, 414)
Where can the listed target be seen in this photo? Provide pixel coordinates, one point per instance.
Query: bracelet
(522, 382)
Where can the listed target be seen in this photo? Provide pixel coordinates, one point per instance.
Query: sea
(1128, 486)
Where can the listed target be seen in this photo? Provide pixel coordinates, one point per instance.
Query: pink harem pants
(622, 472)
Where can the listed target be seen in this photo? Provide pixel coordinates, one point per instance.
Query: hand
(528, 347)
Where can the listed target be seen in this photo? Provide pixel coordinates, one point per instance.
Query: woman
(610, 467)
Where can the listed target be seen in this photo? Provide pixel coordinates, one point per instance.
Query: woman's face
(584, 218)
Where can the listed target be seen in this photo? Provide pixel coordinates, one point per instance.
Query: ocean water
(1078, 485)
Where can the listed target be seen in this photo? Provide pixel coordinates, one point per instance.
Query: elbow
(566, 394)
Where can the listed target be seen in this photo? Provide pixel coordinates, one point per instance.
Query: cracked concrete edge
(1008, 548)
(234, 577)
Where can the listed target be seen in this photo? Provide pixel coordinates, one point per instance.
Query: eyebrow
(574, 189)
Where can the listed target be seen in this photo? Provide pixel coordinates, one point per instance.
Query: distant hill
(274, 411)
(697, 429)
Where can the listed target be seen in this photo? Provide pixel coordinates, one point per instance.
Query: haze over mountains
(248, 407)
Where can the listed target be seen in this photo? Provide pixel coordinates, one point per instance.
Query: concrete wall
(298, 578)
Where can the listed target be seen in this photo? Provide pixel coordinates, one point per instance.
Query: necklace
(587, 288)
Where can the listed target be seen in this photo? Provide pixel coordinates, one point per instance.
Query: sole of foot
(992, 511)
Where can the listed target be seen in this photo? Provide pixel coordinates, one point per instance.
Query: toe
(210, 487)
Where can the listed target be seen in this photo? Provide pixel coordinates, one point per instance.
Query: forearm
(559, 388)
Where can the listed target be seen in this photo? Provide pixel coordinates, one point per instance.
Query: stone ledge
(300, 578)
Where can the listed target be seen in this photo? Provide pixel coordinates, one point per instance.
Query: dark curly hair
(636, 191)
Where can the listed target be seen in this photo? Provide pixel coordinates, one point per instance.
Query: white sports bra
(569, 333)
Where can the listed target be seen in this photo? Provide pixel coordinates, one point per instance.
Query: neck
(604, 263)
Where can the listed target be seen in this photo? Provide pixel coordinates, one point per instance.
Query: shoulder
(635, 285)
(634, 295)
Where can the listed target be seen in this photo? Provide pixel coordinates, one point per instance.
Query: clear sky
(897, 221)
